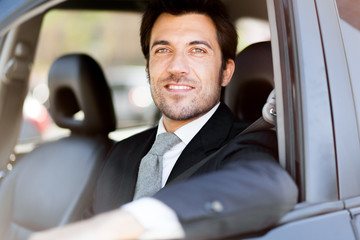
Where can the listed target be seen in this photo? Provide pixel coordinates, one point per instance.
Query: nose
(178, 64)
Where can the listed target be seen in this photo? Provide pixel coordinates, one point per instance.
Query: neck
(173, 125)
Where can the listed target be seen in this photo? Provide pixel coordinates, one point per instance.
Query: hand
(116, 224)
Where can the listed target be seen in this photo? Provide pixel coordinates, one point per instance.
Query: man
(190, 49)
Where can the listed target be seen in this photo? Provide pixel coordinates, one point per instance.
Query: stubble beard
(198, 106)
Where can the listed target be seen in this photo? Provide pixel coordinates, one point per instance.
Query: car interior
(51, 184)
(54, 182)
(252, 82)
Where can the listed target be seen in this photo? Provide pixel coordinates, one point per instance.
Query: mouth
(178, 87)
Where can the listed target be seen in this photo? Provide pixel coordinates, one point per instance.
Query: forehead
(192, 26)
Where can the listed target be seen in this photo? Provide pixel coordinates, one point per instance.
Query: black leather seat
(53, 184)
(252, 82)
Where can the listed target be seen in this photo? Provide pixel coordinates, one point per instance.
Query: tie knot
(163, 143)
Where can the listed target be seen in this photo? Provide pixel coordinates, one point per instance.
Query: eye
(197, 50)
(162, 50)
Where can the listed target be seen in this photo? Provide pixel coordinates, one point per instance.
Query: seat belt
(265, 122)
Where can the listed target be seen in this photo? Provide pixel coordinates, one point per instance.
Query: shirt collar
(189, 130)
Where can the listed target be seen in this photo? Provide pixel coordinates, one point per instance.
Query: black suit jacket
(239, 190)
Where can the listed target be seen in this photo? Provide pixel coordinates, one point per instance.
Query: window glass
(251, 30)
(112, 39)
(349, 12)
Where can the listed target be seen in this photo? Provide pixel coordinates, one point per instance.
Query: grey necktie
(151, 166)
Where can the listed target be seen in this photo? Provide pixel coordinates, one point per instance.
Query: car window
(96, 33)
(349, 12)
(251, 30)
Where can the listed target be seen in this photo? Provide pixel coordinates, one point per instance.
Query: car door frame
(309, 68)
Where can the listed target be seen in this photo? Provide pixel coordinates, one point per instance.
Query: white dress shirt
(158, 219)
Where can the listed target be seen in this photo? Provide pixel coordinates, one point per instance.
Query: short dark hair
(215, 9)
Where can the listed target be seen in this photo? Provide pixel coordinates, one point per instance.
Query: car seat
(52, 185)
(252, 82)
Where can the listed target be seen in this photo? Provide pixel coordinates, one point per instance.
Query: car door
(350, 29)
(317, 121)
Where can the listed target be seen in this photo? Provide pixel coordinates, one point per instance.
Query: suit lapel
(214, 134)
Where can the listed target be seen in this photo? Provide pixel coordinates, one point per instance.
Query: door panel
(331, 226)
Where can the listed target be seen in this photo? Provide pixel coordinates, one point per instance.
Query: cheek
(158, 63)
(206, 68)
(209, 77)
(152, 68)
(155, 74)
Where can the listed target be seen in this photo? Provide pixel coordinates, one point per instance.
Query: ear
(228, 72)
(147, 72)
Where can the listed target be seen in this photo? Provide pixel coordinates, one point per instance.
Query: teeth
(177, 87)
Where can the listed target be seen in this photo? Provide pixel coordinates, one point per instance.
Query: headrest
(252, 82)
(77, 83)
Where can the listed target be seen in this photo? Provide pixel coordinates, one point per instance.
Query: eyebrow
(197, 42)
(200, 43)
(161, 42)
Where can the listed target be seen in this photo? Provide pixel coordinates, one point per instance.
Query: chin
(184, 114)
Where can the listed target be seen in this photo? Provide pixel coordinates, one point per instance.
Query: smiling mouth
(178, 87)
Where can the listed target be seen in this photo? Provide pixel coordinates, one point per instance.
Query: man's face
(185, 66)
